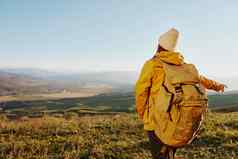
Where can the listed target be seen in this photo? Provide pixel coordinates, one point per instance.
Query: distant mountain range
(116, 87)
(11, 79)
(21, 81)
(119, 77)
(117, 80)
(11, 83)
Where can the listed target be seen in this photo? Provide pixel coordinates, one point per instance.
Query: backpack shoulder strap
(158, 60)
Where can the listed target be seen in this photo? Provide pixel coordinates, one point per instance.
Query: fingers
(222, 88)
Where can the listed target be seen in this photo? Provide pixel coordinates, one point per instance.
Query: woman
(149, 83)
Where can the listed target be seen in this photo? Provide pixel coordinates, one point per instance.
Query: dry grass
(107, 136)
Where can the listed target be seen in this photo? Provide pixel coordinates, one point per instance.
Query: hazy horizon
(75, 72)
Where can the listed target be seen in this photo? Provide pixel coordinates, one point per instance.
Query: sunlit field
(119, 136)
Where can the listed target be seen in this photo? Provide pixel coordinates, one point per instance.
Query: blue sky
(98, 35)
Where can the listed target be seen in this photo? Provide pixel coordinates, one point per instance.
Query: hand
(221, 88)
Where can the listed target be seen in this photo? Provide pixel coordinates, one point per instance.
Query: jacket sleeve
(142, 88)
(210, 84)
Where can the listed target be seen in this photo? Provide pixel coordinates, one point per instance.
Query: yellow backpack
(180, 105)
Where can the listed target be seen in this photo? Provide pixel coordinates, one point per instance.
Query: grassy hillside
(223, 102)
(100, 103)
(112, 102)
(100, 127)
(118, 136)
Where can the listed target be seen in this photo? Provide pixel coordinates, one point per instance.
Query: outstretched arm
(211, 84)
(142, 88)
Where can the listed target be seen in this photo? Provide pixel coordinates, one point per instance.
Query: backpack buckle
(178, 89)
(178, 94)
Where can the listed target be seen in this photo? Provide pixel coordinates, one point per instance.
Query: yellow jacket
(150, 81)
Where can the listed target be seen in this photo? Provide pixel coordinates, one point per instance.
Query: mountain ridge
(119, 81)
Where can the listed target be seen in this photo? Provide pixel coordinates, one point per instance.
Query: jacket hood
(169, 57)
